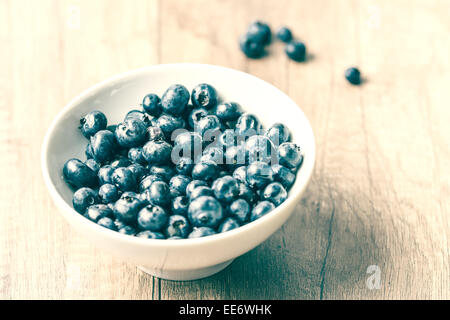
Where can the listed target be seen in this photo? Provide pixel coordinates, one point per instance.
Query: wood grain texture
(380, 191)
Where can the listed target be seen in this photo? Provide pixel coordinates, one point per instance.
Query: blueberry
(259, 174)
(93, 165)
(275, 193)
(131, 133)
(188, 144)
(83, 198)
(296, 50)
(200, 192)
(105, 174)
(157, 152)
(250, 47)
(228, 224)
(260, 32)
(159, 193)
(213, 153)
(147, 181)
(98, 211)
(163, 172)
(235, 157)
(226, 189)
(120, 162)
(196, 115)
(124, 179)
(178, 226)
(104, 146)
(228, 111)
(278, 134)
(136, 156)
(180, 205)
(150, 235)
(127, 208)
(205, 170)
(179, 183)
(169, 124)
(239, 210)
(138, 171)
(88, 151)
(92, 123)
(78, 175)
(240, 174)
(152, 104)
(353, 75)
(247, 193)
(152, 218)
(261, 209)
(193, 185)
(201, 232)
(108, 193)
(208, 127)
(184, 166)
(204, 96)
(175, 100)
(155, 133)
(128, 230)
(290, 155)
(140, 116)
(283, 175)
(284, 34)
(205, 211)
(247, 125)
(107, 223)
(259, 148)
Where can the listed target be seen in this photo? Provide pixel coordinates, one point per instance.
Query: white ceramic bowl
(174, 259)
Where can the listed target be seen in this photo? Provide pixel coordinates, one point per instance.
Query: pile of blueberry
(181, 170)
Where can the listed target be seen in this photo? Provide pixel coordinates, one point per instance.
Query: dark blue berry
(209, 127)
(353, 76)
(240, 174)
(250, 47)
(184, 166)
(104, 146)
(259, 174)
(157, 152)
(152, 218)
(226, 189)
(127, 208)
(260, 32)
(93, 165)
(228, 111)
(78, 174)
(180, 205)
(152, 104)
(213, 153)
(155, 133)
(105, 174)
(83, 198)
(284, 34)
(228, 224)
(179, 183)
(275, 193)
(247, 193)
(120, 162)
(205, 211)
(140, 116)
(147, 181)
(205, 170)
(200, 192)
(98, 211)
(175, 100)
(247, 125)
(193, 185)
(138, 171)
(178, 226)
(204, 96)
(283, 175)
(239, 210)
(290, 155)
(108, 193)
(131, 133)
(278, 134)
(296, 50)
(92, 123)
(159, 193)
(150, 235)
(169, 124)
(107, 223)
(124, 179)
(136, 156)
(259, 148)
(196, 115)
(88, 151)
(163, 172)
(201, 232)
(261, 209)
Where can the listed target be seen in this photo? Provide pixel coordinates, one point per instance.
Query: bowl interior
(118, 95)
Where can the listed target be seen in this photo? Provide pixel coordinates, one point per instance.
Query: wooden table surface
(377, 206)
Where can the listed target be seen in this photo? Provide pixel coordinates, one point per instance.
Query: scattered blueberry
(92, 123)
(120, 163)
(155, 133)
(247, 193)
(353, 75)
(204, 96)
(296, 50)
(250, 47)
(240, 174)
(260, 32)
(143, 117)
(147, 181)
(284, 34)
(213, 153)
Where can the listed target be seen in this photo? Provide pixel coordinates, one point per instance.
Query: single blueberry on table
(275, 193)
(201, 191)
(278, 134)
(157, 152)
(78, 174)
(175, 99)
(98, 211)
(205, 170)
(104, 146)
(228, 224)
(204, 96)
(284, 34)
(155, 133)
(163, 172)
(159, 193)
(169, 124)
(260, 32)
(131, 133)
(179, 182)
(128, 230)
(150, 235)
(193, 185)
(250, 47)
(105, 174)
(353, 75)
(152, 104)
(228, 111)
(240, 174)
(93, 165)
(259, 148)
(120, 162)
(180, 205)
(283, 175)
(247, 125)
(92, 123)
(296, 50)
(201, 232)
(83, 198)
(184, 166)
(136, 156)
(178, 226)
(240, 210)
(127, 208)
(205, 211)
(259, 174)
(107, 223)
(146, 182)
(226, 189)
(290, 155)
(124, 179)
(108, 193)
(152, 218)
(261, 209)
(196, 115)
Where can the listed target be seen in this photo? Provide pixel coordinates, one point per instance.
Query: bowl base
(185, 275)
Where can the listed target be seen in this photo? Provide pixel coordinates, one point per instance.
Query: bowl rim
(305, 171)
